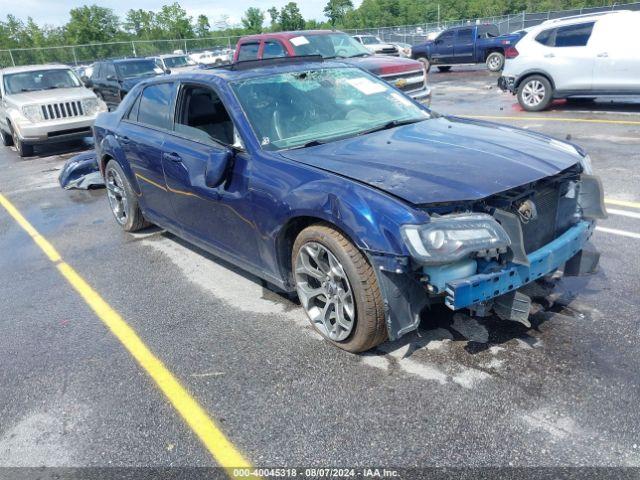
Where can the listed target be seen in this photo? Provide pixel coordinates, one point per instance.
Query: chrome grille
(408, 82)
(55, 111)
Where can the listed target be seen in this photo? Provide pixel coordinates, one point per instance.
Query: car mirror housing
(112, 78)
(217, 165)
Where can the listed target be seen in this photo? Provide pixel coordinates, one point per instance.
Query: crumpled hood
(55, 95)
(442, 159)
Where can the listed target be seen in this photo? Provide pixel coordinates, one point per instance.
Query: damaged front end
(479, 255)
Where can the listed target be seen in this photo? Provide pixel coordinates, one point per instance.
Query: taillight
(511, 52)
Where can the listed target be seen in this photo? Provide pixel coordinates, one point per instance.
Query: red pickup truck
(405, 74)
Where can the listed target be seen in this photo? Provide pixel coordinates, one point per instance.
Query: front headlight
(586, 165)
(33, 113)
(452, 237)
(93, 106)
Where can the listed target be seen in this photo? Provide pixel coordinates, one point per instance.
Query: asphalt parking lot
(459, 392)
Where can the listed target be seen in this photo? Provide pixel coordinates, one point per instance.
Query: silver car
(44, 104)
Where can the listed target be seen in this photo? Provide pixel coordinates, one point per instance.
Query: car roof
(229, 74)
(34, 68)
(576, 19)
(287, 35)
(128, 60)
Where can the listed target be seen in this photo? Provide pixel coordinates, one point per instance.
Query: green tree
(92, 24)
(335, 10)
(253, 20)
(140, 23)
(174, 21)
(274, 15)
(203, 28)
(291, 18)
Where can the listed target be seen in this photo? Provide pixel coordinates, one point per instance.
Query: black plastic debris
(81, 172)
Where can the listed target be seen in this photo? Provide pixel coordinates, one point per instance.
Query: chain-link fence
(85, 54)
(411, 34)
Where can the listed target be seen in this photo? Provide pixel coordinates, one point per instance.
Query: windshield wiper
(392, 124)
(312, 143)
(363, 54)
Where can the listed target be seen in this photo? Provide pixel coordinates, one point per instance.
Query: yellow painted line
(622, 203)
(220, 447)
(551, 119)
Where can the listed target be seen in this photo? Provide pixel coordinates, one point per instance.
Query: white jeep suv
(44, 104)
(577, 58)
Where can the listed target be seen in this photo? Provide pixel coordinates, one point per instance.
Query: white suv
(43, 104)
(577, 58)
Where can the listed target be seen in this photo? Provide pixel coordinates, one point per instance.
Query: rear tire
(333, 276)
(122, 199)
(535, 93)
(444, 69)
(495, 61)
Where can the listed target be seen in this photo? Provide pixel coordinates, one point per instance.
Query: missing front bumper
(482, 287)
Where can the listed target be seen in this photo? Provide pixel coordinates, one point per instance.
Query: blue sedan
(322, 179)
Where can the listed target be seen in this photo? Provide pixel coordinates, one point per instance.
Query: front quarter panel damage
(403, 295)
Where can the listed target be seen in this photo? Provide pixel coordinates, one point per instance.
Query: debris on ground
(81, 172)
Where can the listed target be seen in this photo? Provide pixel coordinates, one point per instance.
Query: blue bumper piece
(485, 286)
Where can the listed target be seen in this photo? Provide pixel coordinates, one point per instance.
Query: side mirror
(168, 71)
(86, 80)
(217, 165)
(112, 78)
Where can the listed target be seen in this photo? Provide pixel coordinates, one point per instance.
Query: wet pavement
(458, 392)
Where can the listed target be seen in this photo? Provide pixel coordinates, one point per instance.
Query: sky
(55, 12)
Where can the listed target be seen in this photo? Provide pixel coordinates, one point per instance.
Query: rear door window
(155, 106)
(248, 51)
(574, 35)
(568, 36)
(273, 49)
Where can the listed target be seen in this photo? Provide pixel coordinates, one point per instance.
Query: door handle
(124, 139)
(603, 55)
(549, 55)
(172, 157)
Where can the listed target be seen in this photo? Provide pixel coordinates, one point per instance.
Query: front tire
(535, 93)
(338, 289)
(425, 61)
(7, 140)
(23, 149)
(122, 199)
(495, 61)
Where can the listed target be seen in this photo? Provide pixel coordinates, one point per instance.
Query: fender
(355, 209)
(534, 71)
(109, 147)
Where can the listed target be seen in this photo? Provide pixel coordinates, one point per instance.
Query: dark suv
(111, 80)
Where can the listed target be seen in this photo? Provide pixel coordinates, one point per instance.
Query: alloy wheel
(117, 196)
(533, 93)
(494, 63)
(324, 291)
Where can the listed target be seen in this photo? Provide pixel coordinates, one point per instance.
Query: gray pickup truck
(44, 104)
